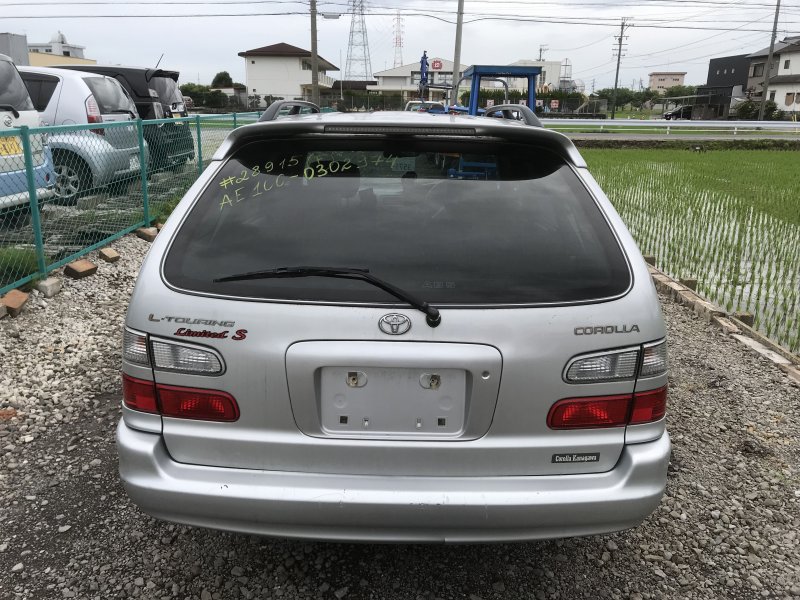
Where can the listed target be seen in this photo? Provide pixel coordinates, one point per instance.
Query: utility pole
(623, 25)
(314, 57)
(768, 66)
(542, 50)
(457, 52)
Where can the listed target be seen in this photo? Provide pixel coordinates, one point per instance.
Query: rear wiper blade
(10, 107)
(432, 316)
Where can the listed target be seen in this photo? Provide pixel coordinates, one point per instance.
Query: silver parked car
(334, 338)
(89, 158)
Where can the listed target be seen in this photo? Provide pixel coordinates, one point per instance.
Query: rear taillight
(191, 403)
(178, 401)
(608, 411)
(93, 115)
(139, 394)
(648, 406)
(648, 360)
(171, 400)
(169, 355)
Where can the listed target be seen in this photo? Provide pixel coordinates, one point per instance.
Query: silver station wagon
(399, 327)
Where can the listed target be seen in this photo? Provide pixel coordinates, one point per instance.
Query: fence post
(199, 146)
(32, 199)
(143, 166)
(234, 120)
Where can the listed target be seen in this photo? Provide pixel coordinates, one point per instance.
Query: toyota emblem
(394, 324)
(7, 121)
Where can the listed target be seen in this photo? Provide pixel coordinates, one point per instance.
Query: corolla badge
(394, 324)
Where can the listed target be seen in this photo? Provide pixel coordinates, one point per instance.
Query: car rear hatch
(335, 375)
(108, 103)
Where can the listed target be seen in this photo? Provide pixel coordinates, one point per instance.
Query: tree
(216, 99)
(222, 79)
(680, 90)
(748, 111)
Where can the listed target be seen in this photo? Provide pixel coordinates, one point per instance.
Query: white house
(548, 80)
(405, 79)
(784, 83)
(284, 71)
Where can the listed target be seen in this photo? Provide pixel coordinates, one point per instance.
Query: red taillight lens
(601, 411)
(649, 406)
(608, 411)
(190, 403)
(139, 394)
(93, 115)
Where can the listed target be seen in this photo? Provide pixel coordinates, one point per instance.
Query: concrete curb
(677, 292)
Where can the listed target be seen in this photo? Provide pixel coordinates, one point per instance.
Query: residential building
(283, 71)
(660, 81)
(405, 79)
(237, 95)
(550, 79)
(784, 83)
(58, 51)
(724, 89)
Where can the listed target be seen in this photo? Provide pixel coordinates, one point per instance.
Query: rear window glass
(167, 90)
(12, 89)
(454, 222)
(109, 94)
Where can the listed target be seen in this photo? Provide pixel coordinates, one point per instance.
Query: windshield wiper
(10, 107)
(432, 316)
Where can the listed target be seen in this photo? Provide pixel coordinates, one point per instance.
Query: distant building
(15, 46)
(283, 71)
(237, 95)
(660, 81)
(549, 80)
(724, 89)
(404, 80)
(784, 84)
(58, 51)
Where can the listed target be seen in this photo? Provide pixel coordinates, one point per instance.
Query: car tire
(73, 177)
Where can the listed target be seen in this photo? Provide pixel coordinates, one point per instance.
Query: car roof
(61, 72)
(402, 123)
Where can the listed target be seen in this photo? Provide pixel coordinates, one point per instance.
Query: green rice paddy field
(730, 218)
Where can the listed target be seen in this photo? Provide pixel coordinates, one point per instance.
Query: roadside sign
(489, 103)
(554, 103)
(436, 65)
(523, 102)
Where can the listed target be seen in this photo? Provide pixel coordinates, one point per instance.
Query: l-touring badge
(394, 324)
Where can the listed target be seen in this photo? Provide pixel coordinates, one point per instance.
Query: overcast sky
(579, 30)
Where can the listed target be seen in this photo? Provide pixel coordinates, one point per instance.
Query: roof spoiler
(295, 106)
(506, 111)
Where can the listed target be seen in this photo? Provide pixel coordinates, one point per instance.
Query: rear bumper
(392, 509)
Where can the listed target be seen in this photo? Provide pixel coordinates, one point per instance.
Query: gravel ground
(727, 528)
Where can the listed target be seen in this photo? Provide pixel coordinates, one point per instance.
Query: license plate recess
(379, 401)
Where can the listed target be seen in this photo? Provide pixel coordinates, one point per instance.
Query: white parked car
(89, 158)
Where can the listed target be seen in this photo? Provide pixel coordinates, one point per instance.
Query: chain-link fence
(66, 190)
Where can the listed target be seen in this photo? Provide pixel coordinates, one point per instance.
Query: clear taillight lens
(134, 348)
(654, 360)
(185, 359)
(612, 366)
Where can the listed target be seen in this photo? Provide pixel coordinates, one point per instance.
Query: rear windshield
(167, 90)
(12, 89)
(454, 222)
(109, 94)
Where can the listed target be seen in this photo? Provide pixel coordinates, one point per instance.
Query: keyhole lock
(356, 379)
(430, 381)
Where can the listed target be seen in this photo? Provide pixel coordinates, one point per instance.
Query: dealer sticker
(576, 458)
